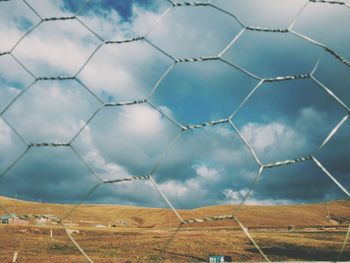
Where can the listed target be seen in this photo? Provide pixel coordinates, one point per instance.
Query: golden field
(155, 235)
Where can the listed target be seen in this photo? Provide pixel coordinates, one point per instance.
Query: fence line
(230, 119)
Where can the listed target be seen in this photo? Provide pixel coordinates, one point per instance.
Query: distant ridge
(252, 216)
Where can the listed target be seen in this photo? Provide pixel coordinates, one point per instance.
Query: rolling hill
(251, 216)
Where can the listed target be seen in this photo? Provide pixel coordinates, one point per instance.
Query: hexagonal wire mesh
(171, 61)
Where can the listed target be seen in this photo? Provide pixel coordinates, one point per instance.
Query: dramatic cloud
(132, 137)
(258, 13)
(205, 166)
(124, 72)
(58, 108)
(264, 138)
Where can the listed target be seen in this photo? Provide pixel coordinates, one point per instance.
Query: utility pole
(14, 212)
(14, 259)
(328, 214)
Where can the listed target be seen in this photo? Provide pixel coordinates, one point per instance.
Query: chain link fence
(147, 100)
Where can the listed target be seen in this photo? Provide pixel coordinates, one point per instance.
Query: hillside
(250, 216)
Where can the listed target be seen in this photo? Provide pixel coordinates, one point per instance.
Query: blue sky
(207, 166)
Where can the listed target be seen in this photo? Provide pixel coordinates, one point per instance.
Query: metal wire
(230, 119)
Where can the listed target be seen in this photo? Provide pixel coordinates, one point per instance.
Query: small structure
(219, 259)
(52, 219)
(46, 219)
(13, 219)
(24, 217)
(40, 220)
(5, 219)
(291, 227)
(120, 223)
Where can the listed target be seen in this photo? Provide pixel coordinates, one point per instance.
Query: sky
(211, 165)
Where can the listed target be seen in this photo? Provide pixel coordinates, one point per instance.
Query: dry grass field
(151, 234)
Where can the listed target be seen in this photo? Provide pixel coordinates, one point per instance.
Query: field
(152, 234)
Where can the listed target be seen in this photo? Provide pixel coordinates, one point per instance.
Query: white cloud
(12, 72)
(309, 118)
(109, 24)
(235, 197)
(122, 72)
(265, 137)
(56, 48)
(104, 169)
(143, 20)
(5, 134)
(50, 8)
(176, 190)
(193, 190)
(204, 162)
(128, 140)
(142, 122)
(7, 95)
(11, 146)
(112, 71)
(276, 141)
(51, 111)
(15, 18)
(207, 173)
(106, 23)
(258, 13)
(125, 141)
(292, 138)
(269, 201)
(187, 32)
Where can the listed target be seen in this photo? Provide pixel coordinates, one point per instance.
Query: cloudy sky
(281, 120)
